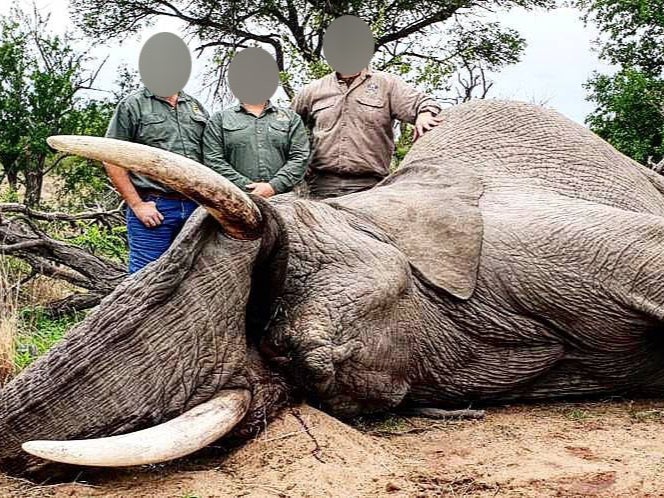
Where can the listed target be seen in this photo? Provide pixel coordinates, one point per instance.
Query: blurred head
(253, 76)
(348, 45)
(164, 64)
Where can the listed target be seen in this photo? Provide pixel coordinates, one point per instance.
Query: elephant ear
(431, 213)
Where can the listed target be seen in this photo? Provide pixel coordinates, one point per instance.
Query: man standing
(260, 147)
(176, 123)
(351, 113)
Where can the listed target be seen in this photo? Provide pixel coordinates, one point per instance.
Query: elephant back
(515, 146)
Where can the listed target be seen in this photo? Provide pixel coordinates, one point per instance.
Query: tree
(629, 113)
(631, 32)
(42, 77)
(425, 41)
(629, 109)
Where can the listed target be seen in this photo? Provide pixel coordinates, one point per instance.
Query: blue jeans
(148, 244)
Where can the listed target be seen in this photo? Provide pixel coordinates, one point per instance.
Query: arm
(300, 105)
(123, 127)
(407, 103)
(213, 153)
(292, 172)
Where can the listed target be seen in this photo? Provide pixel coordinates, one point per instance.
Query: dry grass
(9, 309)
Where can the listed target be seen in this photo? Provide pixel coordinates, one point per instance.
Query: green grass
(380, 423)
(37, 333)
(577, 414)
(651, 415)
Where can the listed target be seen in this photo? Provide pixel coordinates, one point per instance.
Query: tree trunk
(34, 179)
(12, 179)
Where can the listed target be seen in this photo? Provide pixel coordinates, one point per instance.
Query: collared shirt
(351, 127)
(144, 118)
(272, 147)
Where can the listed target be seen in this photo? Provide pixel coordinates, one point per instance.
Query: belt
(164, 195)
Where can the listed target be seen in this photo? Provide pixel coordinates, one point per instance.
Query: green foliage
(629, 109)
(632, 32)
(403, 144)
(9, 195)
(38, 333)
(629, 112)
(41, 79)
(99, 241)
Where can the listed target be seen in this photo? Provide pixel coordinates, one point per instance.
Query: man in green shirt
(156, 213)
(261, 148)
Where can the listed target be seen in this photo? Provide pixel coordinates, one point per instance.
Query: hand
(262, 189)
(148, 214)
(424, 122)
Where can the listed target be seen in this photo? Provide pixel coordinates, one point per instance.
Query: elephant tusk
(232, 208)
(176, 438)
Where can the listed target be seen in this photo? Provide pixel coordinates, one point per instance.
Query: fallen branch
(14, 207)
(97, 276)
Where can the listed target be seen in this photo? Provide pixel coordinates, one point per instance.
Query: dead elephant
(513, 256)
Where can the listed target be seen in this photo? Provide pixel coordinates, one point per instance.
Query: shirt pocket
(278, 133)
(371, 111)
(324, 113)
(153, 130)
(198, 121)
(237, 135)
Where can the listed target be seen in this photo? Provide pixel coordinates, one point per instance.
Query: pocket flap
(323, 104)
(370, 101)
(280, 126)
(152, 118)
(233, 125)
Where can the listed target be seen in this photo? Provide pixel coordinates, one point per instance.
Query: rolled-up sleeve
(407, 101)
(292, 172)
(213, 153)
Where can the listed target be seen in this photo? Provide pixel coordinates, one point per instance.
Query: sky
(557, 61)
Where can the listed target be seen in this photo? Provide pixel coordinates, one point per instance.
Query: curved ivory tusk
(178, 437)
(233, 208)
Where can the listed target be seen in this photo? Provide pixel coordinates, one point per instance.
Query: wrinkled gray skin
(513, 256)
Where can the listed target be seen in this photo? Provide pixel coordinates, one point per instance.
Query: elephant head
(254, 303)
(477, 272)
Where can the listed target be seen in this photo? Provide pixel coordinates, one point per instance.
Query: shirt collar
(182, 97)
(364, 74)
(269, 107)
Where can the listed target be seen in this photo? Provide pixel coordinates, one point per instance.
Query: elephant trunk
(169, 338)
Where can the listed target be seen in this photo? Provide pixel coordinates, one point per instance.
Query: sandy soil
(592, 449)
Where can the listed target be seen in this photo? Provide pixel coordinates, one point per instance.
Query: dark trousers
(148, 244)
(328, 185)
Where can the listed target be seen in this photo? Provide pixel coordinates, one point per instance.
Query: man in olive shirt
(261, 148)
(156, 213)
(351, 121)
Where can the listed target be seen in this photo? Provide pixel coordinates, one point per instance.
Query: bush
(37, 333)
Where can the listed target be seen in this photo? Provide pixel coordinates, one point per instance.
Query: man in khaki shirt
(351, 121)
